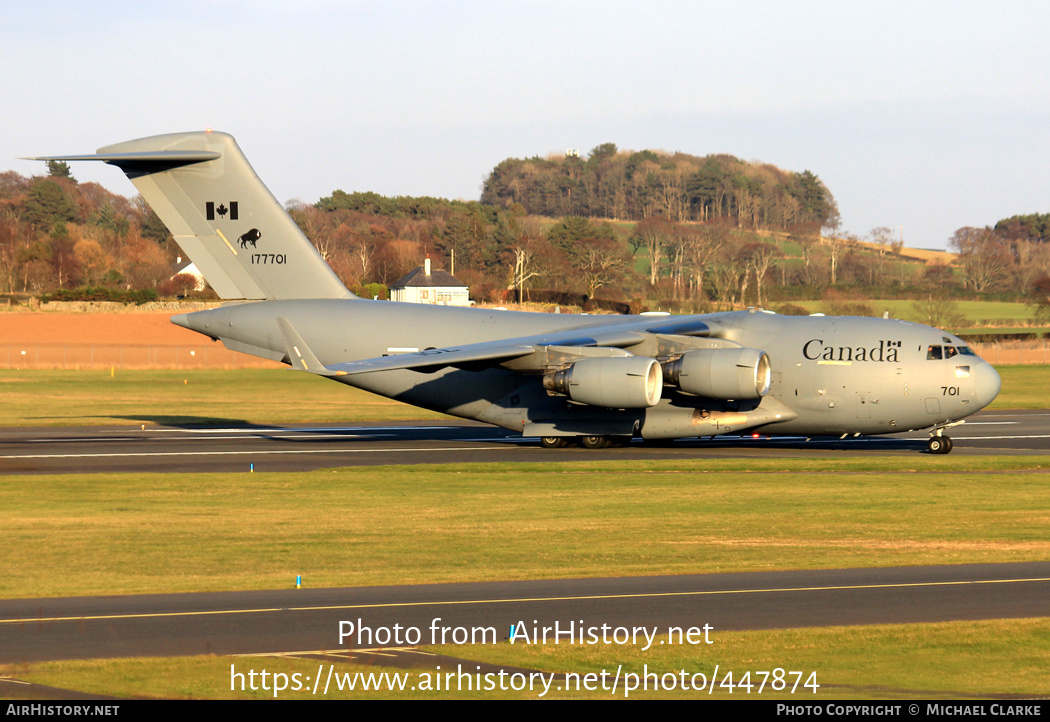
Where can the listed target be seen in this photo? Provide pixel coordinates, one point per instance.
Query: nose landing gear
(939, 443)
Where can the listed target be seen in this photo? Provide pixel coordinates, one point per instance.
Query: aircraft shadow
(190, 422)
(326, 433)
(822, 443)
(829, 443)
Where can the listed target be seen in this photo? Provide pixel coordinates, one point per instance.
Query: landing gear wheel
(939, 444)
(594, 442)
(554, 442)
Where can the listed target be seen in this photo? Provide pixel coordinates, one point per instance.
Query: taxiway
(293, 621)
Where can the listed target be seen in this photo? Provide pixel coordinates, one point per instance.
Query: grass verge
(197, 397)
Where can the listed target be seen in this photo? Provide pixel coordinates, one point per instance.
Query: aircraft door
(864, 403)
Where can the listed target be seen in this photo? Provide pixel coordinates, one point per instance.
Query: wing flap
(675, 326)
(434, 359)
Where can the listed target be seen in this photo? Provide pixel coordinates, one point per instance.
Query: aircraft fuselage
(830, 375)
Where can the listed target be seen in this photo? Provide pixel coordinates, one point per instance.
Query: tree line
(56, 233)
(609, 183)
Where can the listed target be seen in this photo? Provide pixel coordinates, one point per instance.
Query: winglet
(299, 354)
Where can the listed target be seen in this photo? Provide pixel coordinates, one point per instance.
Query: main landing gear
(604, 442)
(587, 442)
(939, 443)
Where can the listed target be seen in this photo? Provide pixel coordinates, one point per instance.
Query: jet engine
(623, 382)
(720, 373)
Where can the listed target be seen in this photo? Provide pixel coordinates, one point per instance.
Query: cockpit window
(936, 353)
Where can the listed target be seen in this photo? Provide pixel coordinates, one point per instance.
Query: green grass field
(144, 533)
(1024, 387)
(976, 313)
(1004, 330)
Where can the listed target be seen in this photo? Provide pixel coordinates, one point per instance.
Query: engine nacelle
(622, 382)
(721, 373)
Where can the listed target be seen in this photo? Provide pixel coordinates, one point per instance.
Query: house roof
(417, 278)
(187, 267)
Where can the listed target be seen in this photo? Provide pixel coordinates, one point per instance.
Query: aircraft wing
(610, 335)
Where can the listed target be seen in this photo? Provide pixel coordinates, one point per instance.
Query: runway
(297, 448)
(296, 621)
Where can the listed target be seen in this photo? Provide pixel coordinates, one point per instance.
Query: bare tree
(522, 273)
(1033, 262)
(601, 261)
(837, 245)
(702, 246)
(938, 311)
(654, 235)
(984, 256)
(882, 237)
(759, 257)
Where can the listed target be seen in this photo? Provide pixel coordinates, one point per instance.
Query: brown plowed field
(102, 340)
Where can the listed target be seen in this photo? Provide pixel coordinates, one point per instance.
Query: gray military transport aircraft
(595, 380)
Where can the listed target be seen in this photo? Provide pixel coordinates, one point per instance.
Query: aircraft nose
(986, 384)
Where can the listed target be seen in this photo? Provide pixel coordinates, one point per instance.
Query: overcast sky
(923, 115)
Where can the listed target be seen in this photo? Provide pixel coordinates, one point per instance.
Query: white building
(189, 269)
(437, 287)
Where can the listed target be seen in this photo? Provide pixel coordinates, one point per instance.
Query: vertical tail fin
(223, 217)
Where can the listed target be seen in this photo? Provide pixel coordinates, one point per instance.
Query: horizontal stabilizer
(143, 162)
